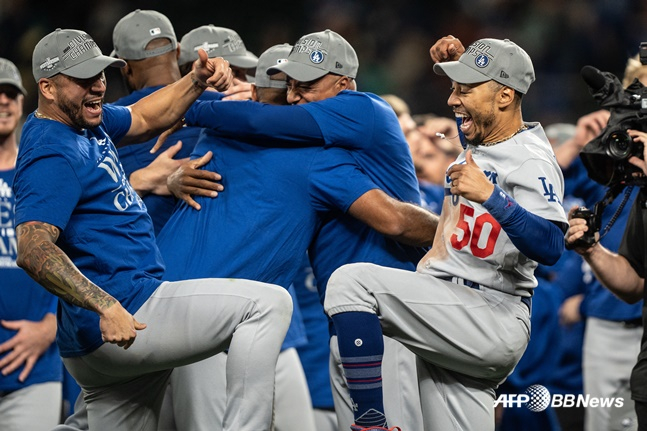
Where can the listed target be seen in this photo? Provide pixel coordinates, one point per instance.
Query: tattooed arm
(46, 263)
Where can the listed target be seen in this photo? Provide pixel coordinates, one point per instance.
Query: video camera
(606, 156)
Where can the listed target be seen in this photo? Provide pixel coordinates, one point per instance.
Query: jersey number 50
(473, 236)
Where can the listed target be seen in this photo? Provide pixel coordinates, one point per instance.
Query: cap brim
(299, 71)
(458, 72)
(15, 84)
(92, 67)
(243, 61)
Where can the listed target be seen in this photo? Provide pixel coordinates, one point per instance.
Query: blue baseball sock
(361, 347)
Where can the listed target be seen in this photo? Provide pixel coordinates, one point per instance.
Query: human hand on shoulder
(447, 48)
(240, 90)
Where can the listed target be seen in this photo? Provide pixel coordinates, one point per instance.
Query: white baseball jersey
(473, 246)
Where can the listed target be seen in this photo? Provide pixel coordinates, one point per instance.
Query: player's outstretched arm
(404, 222)
(46, 263)
(165, 107)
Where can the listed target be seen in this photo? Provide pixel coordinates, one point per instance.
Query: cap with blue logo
(502, 61)
(317, 54)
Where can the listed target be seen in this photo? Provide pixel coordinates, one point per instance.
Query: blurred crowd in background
(392, 38)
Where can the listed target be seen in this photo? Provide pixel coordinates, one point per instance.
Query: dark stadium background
(392, 38)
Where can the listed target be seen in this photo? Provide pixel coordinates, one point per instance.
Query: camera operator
(623, 274)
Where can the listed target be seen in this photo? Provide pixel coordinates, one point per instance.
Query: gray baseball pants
(35, 408)
(469, 340)
(189, 321)
(197, 393)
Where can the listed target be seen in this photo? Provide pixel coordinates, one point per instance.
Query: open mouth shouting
(466, 122)
(93, 107)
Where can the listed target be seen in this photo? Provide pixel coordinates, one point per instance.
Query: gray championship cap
(72, 53)
(502, 61)
(135, 31)
(317, 54)
(9, 75)
(217, 42)
(273, 56)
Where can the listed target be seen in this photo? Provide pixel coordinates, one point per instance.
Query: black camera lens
(619, 145)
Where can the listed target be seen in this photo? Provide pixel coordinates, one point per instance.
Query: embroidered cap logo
(482, 60)
(316, 57)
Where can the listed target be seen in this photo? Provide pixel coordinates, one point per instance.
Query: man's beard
(485, 121)
(75, 113)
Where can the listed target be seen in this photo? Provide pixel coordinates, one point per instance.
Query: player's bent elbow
(630, 296)
(550, 259)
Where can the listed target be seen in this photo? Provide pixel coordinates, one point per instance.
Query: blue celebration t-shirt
(138, 156)
(72, 179)
(260, 226)
(366, 124)
(21, 298)
(360, 122)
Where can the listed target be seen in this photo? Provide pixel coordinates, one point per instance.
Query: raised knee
(347, 274)
(281, 300)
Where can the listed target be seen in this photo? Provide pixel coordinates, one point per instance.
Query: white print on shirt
(124, 195)
(8, 244)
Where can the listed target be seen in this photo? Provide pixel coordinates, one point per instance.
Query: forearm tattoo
(49, 266)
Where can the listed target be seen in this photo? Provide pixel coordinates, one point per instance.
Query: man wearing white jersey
(465, 312)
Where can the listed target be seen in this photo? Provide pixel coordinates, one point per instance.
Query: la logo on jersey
(549, 191)
(537, 398)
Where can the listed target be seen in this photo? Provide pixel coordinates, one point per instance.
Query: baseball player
(266, 199)
(84, 234)
(465, 312)
(321, 69)
(30, 383)
(146, 41)
(280, 197)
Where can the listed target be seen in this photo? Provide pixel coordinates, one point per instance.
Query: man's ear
(126, 70)
(344, 83)
(505, 96)
(47, 88)
(254, 93)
